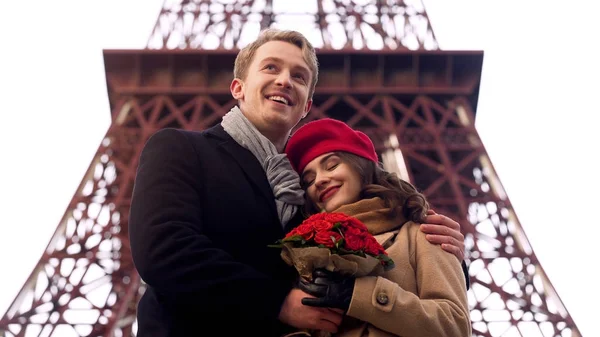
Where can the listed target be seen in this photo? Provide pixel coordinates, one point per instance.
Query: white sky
(537, 116)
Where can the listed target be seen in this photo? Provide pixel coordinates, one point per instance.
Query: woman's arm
(439, 309)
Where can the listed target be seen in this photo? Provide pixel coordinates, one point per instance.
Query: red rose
(355, 243)
(318, 216)
(291, 233)
(353, 222)
(348, 230)
(354, 239)
(306, 230)
(337, 217)
(322, 225)
(327, 238)
(373, 247)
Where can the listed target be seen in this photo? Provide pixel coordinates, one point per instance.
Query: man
(206, 204)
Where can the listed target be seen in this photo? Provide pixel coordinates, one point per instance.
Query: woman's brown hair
(397, 194)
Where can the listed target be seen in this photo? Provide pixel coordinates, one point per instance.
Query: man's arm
(444, 231)
(170, 249)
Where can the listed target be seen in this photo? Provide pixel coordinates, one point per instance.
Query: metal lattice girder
(329, 24)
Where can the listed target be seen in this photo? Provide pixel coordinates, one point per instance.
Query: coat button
(382, 299)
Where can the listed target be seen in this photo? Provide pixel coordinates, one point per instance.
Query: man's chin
(281, 119)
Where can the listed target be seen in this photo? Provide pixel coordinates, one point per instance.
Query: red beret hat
(323, 136)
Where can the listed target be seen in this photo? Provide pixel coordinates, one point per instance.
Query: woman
(425, 294)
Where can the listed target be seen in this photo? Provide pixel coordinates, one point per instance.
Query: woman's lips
(328, 193)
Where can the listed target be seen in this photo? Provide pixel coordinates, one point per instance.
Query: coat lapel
(247, 162)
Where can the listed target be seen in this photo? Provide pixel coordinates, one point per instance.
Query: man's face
(274, 95)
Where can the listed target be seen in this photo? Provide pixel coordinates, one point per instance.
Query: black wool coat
(202, 215)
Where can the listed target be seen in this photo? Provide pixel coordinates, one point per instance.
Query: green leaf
(339, 243)
(389, 266)
(294, 238)
(388, 263)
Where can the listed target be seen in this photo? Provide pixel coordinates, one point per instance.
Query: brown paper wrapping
(305, 260)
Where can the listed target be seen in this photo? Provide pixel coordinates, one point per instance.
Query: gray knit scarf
(284, 181)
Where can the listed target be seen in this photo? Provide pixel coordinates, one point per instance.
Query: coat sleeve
(170, 249)
(439, 309)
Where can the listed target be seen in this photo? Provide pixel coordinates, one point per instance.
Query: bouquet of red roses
(336, 242)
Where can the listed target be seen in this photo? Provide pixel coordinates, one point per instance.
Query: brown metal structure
(415, 101)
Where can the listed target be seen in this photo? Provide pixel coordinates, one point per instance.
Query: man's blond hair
(246, 54)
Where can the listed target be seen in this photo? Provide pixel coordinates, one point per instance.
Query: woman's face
(330, 182)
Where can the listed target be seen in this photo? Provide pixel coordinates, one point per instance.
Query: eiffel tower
(381, 71)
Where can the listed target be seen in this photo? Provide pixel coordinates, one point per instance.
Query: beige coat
(424, 295)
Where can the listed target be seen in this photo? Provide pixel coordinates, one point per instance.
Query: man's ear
(237, 88)
(307, 108)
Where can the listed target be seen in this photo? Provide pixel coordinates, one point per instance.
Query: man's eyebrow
(271, 59)
(278, 60)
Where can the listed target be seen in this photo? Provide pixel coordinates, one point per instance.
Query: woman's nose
(321, 181)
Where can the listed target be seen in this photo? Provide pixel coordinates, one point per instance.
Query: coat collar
(247, 162)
